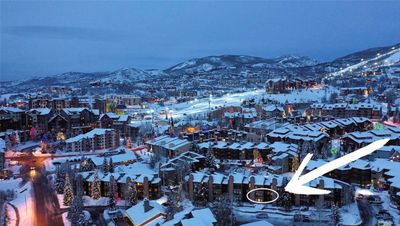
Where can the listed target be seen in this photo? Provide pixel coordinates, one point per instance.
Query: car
(32, 168)
(385, 223)
(375, 199)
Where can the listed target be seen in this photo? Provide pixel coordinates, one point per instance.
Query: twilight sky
(50, 37)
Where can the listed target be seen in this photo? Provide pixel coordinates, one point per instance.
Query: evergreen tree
(75, 212)
(201, 192)
(85, 165)
(132, 192)
(95, 191)
(106, 167)
(59, 183)
(173, 201)
(111, 166)
(68, 192)
(223, 211)
(111, 195)
(210, 158)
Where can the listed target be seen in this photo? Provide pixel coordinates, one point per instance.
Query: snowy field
(201, 106)
(276, 216)
(350, 215)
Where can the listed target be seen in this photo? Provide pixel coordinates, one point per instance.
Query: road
(45, 201)
(367, 212)
(47, 209)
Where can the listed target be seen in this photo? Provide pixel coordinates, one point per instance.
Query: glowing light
(32, 173)
(262, 189)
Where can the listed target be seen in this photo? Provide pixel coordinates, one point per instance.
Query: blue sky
(50, 37)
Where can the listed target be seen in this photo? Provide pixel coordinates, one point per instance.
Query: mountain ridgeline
(218, 66)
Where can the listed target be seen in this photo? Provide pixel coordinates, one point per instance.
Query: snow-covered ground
(350, 215)
(11, 185)
(392, 57)
(200, 107)
(24, 204)
(88, 201)
(278, 216)
(387, 205)
(26, 145)
(65, 220)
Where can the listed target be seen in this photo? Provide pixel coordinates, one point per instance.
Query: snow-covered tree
(146, 129)
(84, 165)
(111, 195)
(335, 214)
(95, 187)
(60, 181)
(106, 167)
(223, 211)
(131, 192)
(75, 212)
(210, 158)
(173, 203)
(68, 191)
(201, 196)
(111, 166)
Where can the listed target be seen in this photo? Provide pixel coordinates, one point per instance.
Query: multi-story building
(97, 139)
(201, 185)
(284, 85)
(73, 121)
(147, 185)
(38, 118)
(117, 122)
(169, 147)
(355, 140)
(344, 110)
(273, 111)
(12, 118)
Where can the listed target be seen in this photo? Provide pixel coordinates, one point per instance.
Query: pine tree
(106, 167)
(132, 192)
(75, 213)
(68, 192)
(95, 187)
(111, 166)
(210, 158)
(173, 200)
(335, 214)
(85, 165)
(59, 183)
(111, 195)
(223, 211)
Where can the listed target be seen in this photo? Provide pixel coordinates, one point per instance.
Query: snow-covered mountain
(125, 75)
(219, 67)
(366, 60)
(234, 62)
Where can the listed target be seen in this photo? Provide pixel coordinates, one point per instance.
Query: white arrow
(297, 184)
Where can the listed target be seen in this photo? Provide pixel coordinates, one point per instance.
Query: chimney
(146, 205)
